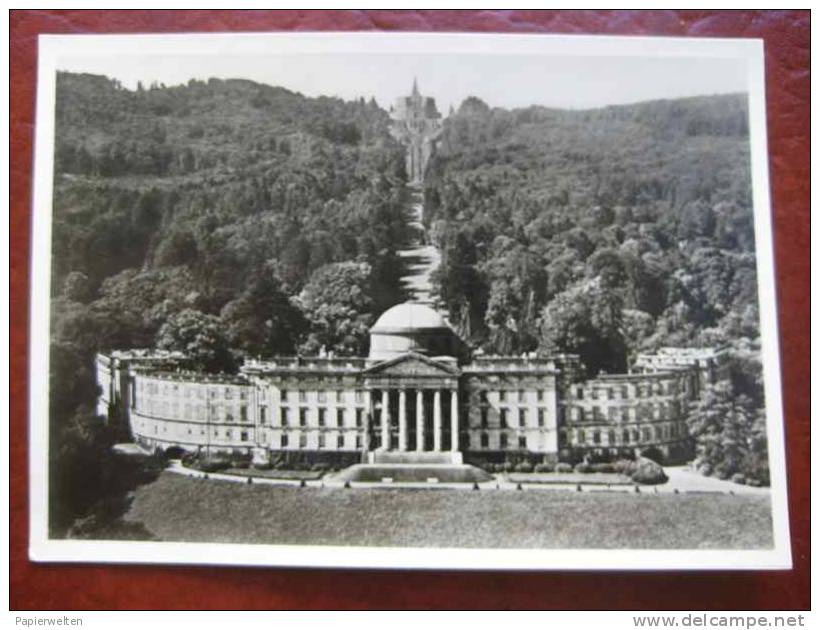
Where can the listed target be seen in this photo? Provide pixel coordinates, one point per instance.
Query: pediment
(412, 364)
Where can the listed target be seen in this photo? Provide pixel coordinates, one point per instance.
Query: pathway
(421, 257)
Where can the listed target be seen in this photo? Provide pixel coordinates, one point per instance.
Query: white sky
(499, 80)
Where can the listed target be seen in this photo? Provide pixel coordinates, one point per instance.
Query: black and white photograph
(404, 300)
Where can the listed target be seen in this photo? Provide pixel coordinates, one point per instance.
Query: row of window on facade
(626, 436)
(323, 417)
(322, 395)
(616, 392)
(509, 395)
(191, 390)
(644, 411)
(506, 417)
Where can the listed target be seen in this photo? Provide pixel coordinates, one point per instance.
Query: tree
(199, 336)
(586, 320)
(263, 320)
(729, 434)
(338, 304)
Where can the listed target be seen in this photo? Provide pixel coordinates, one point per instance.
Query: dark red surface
(786, 34)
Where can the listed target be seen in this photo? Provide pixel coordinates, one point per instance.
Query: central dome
(408, 317)
(411, 327)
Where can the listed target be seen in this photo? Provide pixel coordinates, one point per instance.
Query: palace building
(418, 396)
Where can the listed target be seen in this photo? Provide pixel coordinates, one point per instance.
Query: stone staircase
(414, 457)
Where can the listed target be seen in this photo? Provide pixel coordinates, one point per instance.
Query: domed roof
(408, 316)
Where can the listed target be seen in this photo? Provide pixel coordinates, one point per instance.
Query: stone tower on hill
(417, 125)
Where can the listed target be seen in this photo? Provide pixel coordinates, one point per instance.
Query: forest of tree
(225, 218)
(230, 219)
(605, 233)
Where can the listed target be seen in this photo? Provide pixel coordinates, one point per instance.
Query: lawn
(178, 508)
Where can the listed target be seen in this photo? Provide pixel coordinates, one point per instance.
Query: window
(541, 417)
(579, 393)
(625, 436)
(521, 395)
(244, 436)
(611, 438)
(503, 440)
(228, 434)
(358, 441)
(502, 419)
(263, 415)
(321, 440)
(340, 395)
(302, 440)
(302, 395)
(303, 417)
(540, 395)
(596, 437)
(263, 393)
(322, 411)
(522, 417)
(359, 414)
(340, 441)
(228, 414)
(321, 396)
(485, 440)
(228, 392)
(502, 395)
(243, 413)
(359, 396)
(522, 441)
(340, 417)
(581, 436)
(284, 416)
(658, 433)
(283, 395)
(482, 397)
(647, 435)
(483, 417)
(284, 440)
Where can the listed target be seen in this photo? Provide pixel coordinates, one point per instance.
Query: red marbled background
(787, 37)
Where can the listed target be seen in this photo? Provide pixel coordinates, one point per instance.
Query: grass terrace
(178, 508)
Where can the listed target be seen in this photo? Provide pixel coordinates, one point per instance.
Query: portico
(414, 406)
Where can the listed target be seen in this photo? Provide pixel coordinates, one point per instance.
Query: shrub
(648, 472)
(602, 468)
(213, 464)
(507, 466)
(624, 466)
(240, 463)
(705, 469)
(523, 467)
(563, 467)
(583, 467)
(262, 465)
(544, 468)
(739, 478)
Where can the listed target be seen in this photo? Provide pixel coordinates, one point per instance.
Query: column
(367, 424)
(437, 420)
(385, 420)
(419, 419)
(402, 420)
(454, 420)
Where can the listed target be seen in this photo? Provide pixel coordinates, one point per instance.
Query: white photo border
(51, 48)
